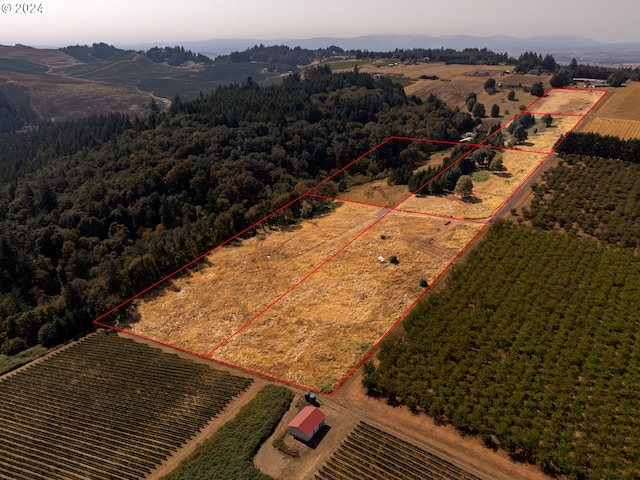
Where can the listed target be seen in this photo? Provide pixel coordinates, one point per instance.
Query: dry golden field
(237, 282)
(322, 328)
(455, 83)
(619, 115)
(625, 129)
(488, 196)
(567, 102)
(622, 103)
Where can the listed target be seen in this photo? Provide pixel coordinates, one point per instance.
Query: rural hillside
(436, 247)
(77, 81)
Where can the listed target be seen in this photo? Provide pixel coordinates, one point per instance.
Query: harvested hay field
(237, 282)
(619, 115)
(318, 332)
(625, 129)
(567, 102)
(623, 103)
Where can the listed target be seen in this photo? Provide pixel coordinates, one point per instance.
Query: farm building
(307, 423)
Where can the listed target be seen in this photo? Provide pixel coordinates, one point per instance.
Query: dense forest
(604, 146)
(92, 211)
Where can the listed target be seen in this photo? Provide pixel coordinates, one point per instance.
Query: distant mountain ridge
(562, 47)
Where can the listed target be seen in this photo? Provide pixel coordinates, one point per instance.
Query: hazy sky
(119, 22)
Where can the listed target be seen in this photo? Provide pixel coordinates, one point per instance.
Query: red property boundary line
(412, 212)
(472, 148)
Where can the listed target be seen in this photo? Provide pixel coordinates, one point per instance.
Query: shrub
(12, 346)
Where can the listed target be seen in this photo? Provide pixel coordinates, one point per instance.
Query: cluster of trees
(519, 126)
(101, 51)
(281, 54)
(93, 211)
(614, 76)
(467, 56)
(175, 56)
(590, 196)
(530, 347)
(596, 145)
(280, 57)
(94, 53)
(534, 61)
(462, 162)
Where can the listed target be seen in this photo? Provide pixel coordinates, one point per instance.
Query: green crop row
(104, 408)
(227, 454)
(371, 453)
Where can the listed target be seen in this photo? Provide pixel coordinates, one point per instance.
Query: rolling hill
(51, 85)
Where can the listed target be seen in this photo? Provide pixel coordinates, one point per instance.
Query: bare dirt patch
(377, 192)
(322, 328)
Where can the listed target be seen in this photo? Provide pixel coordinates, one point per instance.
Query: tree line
(604, 146)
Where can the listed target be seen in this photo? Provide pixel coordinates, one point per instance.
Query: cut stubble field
(304, 303)
(619, 116)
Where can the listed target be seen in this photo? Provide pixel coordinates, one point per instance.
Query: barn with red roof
(307, 423)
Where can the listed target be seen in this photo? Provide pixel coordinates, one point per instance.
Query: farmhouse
(307, 423)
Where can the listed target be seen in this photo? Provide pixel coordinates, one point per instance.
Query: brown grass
(322, 328)
(377, 192)
(203, 309)
(546, 137)
(57, 97)
(567, 102)
(488, 196)
(625, 129)
(619, 115)
(455, 83)
(622, 104)
(50, 57)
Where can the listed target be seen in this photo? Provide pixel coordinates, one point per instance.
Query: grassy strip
(228, 452)
(9, 363)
